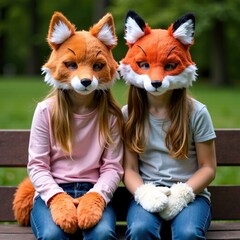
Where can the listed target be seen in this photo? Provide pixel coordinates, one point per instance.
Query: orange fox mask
(81, 60)
(158, 60)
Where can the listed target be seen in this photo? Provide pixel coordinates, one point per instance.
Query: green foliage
(17, 28)
(162, 13)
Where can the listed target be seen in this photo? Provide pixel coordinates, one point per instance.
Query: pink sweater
(91, 162)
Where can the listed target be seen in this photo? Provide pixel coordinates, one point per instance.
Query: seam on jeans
(208, 217)
(33, 220)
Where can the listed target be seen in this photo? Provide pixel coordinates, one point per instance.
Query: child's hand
(152, 198)
(181, 195)
(90, 209)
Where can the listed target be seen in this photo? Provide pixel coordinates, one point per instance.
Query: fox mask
(158, 60)
(81, 60)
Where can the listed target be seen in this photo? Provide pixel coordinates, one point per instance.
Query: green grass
(19, 95)
(18, 99)
(222, 102)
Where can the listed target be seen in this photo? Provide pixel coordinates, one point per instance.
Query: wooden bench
(225, 199)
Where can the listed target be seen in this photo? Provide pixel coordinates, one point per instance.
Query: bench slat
(14, 228)
(225, 202)
(14, 148)
(25, 233)
(6, 199)
(17, 236)
(227, 147)
(223, 226)
(220, 235)
(14, 231)
(14, 145)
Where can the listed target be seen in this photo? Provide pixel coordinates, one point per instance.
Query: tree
(3, 10)
(32, 66)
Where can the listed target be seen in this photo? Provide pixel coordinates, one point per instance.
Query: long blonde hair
(176, 136)
(61, 117)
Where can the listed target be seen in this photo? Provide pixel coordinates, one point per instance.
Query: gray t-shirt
(157, 166)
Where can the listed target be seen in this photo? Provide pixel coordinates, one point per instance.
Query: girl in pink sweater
(75, 148)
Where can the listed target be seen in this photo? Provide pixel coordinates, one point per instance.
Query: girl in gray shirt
(169, 137)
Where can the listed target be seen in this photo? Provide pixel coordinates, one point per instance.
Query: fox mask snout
(158, 60)
(81, 60)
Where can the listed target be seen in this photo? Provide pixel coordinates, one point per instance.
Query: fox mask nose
(86, 82)
(156, 84)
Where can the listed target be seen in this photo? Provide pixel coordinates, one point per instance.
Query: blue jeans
(45, 229)
(190, 224)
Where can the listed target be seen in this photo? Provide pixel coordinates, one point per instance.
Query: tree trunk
(33, 66)
(99, 9)
(219, 72)
(2, 40)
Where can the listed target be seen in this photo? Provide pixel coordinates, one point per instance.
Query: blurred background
(23, 50)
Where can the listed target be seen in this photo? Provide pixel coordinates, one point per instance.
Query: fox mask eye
(170, 66)
(143, 65)
(98, 66)
(71, 65)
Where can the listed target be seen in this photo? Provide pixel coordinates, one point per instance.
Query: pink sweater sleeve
(39, 156)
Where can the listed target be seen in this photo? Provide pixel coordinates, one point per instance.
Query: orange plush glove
(23, 202)
(90, 209)
(64, 212)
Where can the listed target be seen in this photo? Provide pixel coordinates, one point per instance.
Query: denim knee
(189, 233)
(100, 232)
(53, 234)
(141, 230)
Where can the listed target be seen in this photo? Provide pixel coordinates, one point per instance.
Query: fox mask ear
(60, 29)
(183, 29)
(135, 27)
(104, 30)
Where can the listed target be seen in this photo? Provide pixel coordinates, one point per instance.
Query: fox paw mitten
(181, 195)
(90, 210)
(151, 197)
(23, 202)
(64, 212)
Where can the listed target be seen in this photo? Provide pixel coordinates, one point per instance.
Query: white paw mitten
(181, 195)
(152, 198)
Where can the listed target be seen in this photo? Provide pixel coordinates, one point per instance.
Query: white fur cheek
(53, 82)
(76, 84)
(184, 79)
(148, 85)
(94, 85)
(130, 77)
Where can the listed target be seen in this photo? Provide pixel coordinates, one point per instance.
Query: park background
(23, 50)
